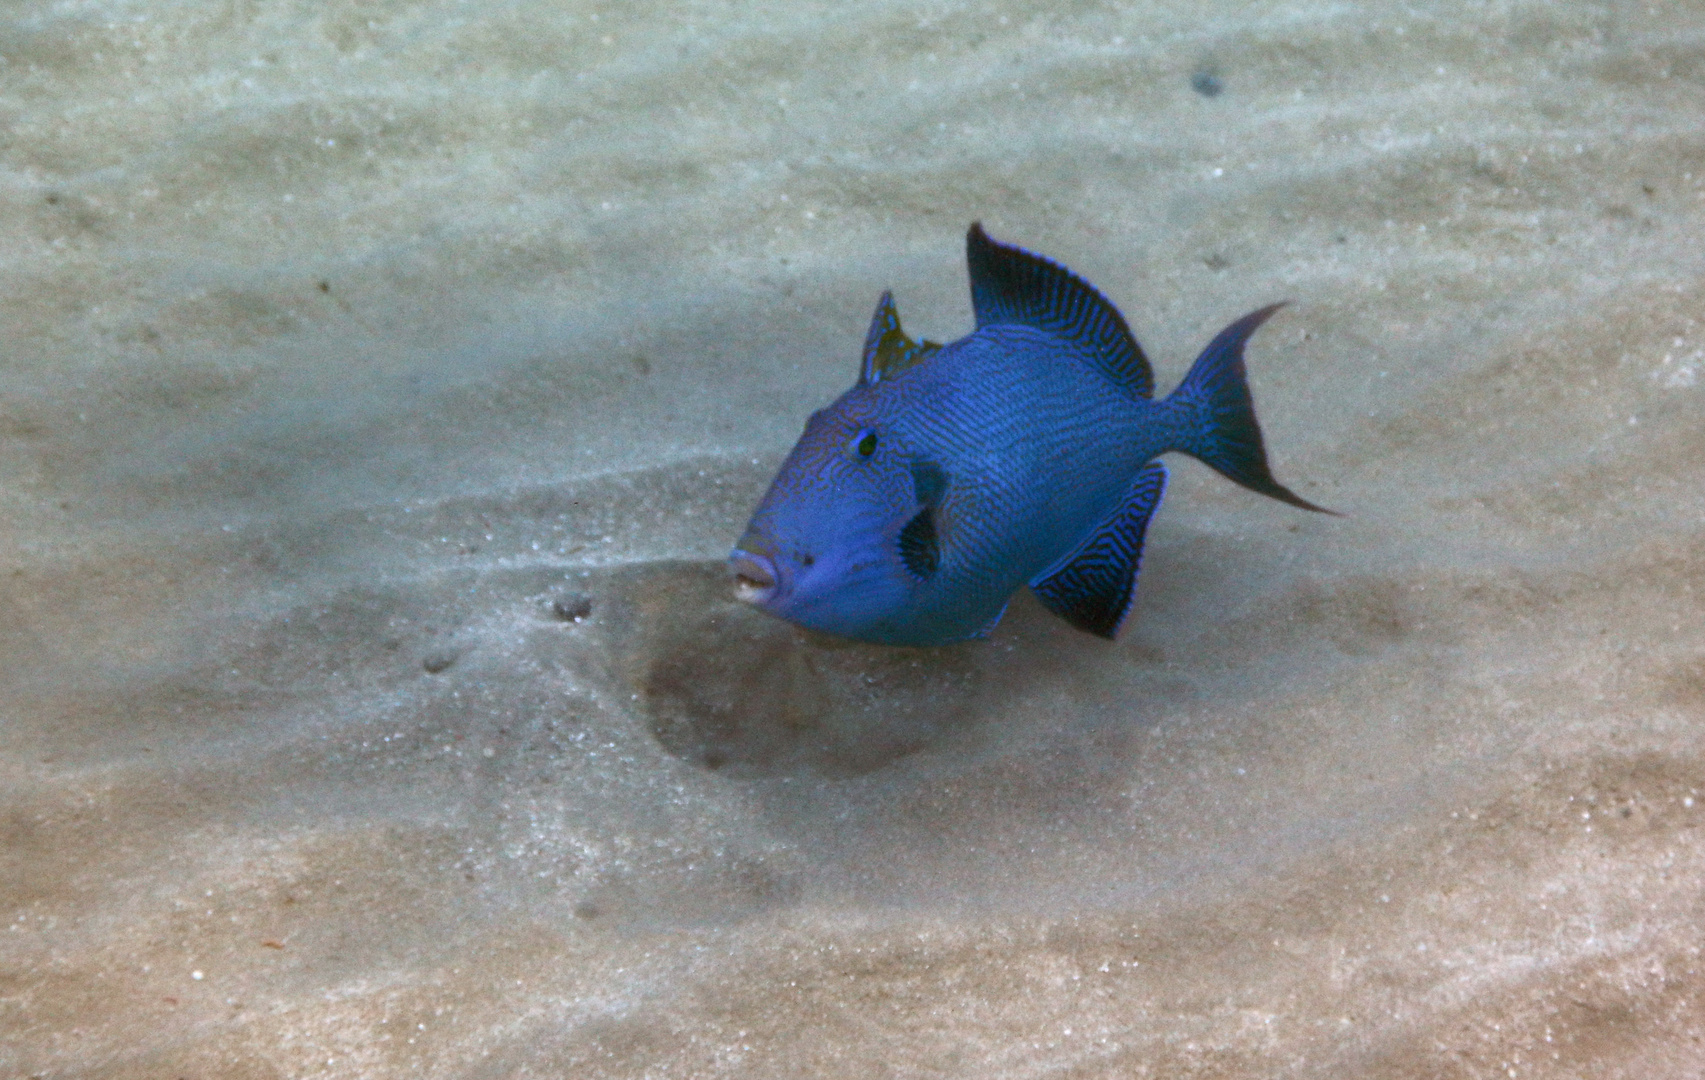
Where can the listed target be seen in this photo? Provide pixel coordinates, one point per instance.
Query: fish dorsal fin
(1092, 587)
(1013, 286)
(887, 349)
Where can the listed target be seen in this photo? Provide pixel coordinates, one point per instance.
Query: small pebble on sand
(572, 607)
(436, 662)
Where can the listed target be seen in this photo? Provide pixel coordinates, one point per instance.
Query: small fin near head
(1092, 587)
(887, 349)
(920, 548)
(1011, 285)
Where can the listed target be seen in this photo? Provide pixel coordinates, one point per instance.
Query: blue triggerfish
(1024, 453)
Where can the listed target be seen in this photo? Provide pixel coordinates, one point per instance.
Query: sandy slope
(340, 343)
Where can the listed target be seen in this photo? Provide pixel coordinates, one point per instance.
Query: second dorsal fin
(887, 349)
(1011, 285)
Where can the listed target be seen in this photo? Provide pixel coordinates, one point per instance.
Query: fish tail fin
(1224, 433)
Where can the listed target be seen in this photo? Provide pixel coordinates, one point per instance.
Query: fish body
(915, 505)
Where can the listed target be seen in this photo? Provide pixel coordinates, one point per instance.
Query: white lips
(754, 577)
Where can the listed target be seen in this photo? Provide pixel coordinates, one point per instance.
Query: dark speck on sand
(436, 662)
(572, 607)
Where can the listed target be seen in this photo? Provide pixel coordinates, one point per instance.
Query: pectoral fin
(1092, 587)
(920, 540)
(920, 548)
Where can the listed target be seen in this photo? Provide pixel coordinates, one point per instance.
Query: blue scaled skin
(1024, 453)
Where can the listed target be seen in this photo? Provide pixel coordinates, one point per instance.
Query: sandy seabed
(381, 385)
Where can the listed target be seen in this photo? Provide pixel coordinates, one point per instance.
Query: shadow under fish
(916, 504)
(726, 688)
(729, 689)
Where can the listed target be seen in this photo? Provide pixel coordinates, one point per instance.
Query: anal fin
(1092, 587)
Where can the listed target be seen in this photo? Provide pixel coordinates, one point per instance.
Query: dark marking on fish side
(928, 482)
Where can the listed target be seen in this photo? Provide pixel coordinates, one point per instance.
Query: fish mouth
(755, 579)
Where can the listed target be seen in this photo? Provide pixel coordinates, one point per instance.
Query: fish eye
(863, 444)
